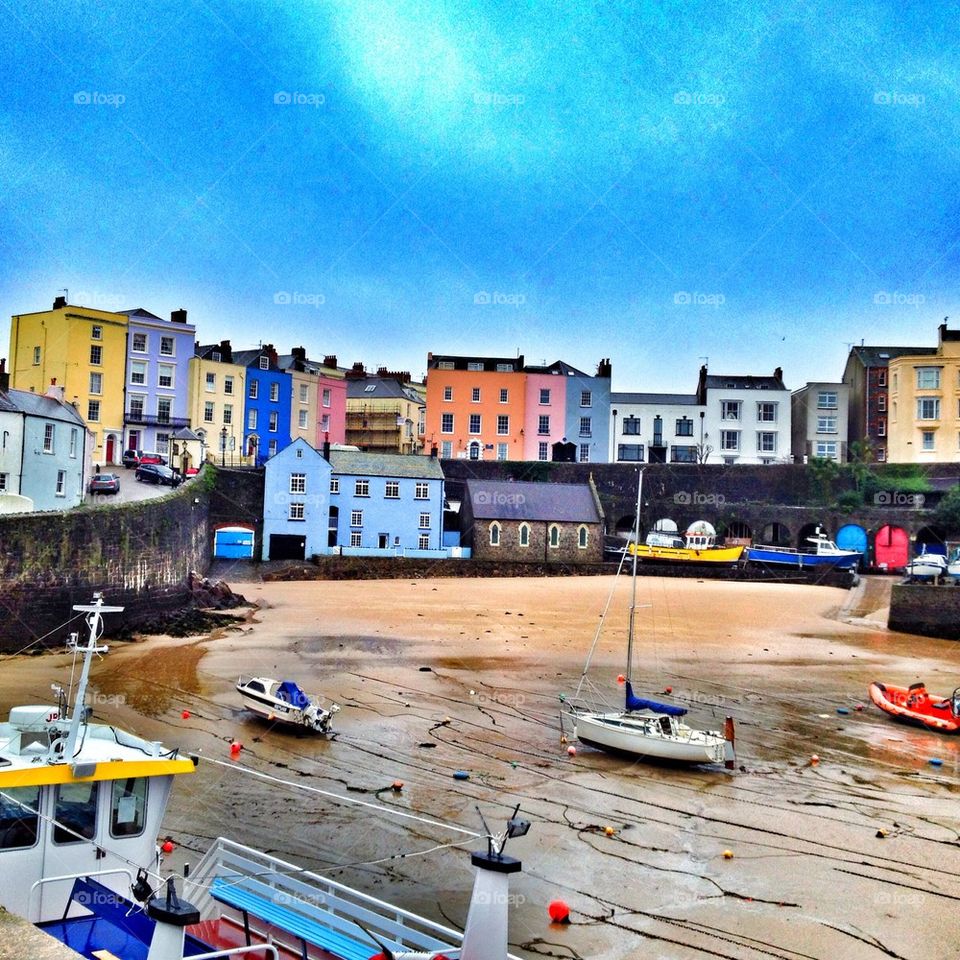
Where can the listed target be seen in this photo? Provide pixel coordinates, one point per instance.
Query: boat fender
(843, 711)
(185, 715)
(727, 854)
(235, 747)
(936, 762)
(167, 846)
(814, 760)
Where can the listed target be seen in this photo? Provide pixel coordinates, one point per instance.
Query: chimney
(778, 373)
(271, 352)
(59, 303)
(326, 447)
(4, 376)
(226, 351)
(356, 372)
(330, 360)
(179, 316)
(299, 353)
(54, 391)
(433, 452)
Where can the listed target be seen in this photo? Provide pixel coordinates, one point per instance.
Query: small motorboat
(283, 701)
(823, 552)
(926, 566)
(916, 705)
(698, 545)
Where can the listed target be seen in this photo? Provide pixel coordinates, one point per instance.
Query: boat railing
(310, 892)
(83, 875)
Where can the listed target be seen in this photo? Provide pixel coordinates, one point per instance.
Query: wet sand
(809, 877)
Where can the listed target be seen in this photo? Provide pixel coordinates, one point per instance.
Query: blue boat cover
(637, 703)
(290, 693)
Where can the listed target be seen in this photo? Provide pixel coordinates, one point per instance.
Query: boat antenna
(633, 588)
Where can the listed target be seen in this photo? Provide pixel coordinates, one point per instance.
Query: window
(504, 368)
(254, 389)
(475, 395)
(423, 541)
(881, 454)
(424, 521)
(881, 428)
(164, 375)
(729, 439)
(446, 449)
(542, 452)
(503, 425)
(325, 423)
(228, 385)
(928, 408)
(210, 383)
(302, 418)
(446, 423)
(766, 441)
(881, 402)
(356, 539)
(474, 423)
(274, 421)
(504, 395)
(166, 347)
(827, 399)
(882, 379)
(251, 419)
(356, 518)
(554, 535)
(475, 365)
(586, 398)
(630, 452)
(543, 424)
(48, 437)
(163, 410)
(928, 440)
(96, 383)
(19, 817)
(544, 395)
(96, 332)
(421, 491)
(391, 490)
(584, 453)
(274, 392)
(36, 356)
(326, 397)
(766, 412)
(271, 448)
(296, 512)
(299, 453)
(96, 355)
(264, 363)
(729, 409)
(139, 343)
(163, 442)
(448, 393)
(61, 482)
(136, 408)
(369, 388)
(73, 443)
(93, 411)
(826, 424)
(298, 483)
(128, 807)
(501, 451)
(684, 427)
(683, 454)
(583, 537)
(494, 534)
(523, 537)
(228, 413)
(631, 426)
(928, 378)
(138, 371)
(827, 450)
(361, 488)
(586, 426)
(304, 394)
(334, 484)
(75, 812)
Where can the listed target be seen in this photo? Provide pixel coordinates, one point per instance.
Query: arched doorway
(738, 532)
(776, 535)
(110, 448)
(810, 530)
(891, 548)
(851, 536)
(930, 540)
(473, 450)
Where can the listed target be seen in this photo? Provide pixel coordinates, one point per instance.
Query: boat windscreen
(638, 703)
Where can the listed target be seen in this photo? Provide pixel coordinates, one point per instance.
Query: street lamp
(223, 447)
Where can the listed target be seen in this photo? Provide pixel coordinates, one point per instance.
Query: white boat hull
(645, 735)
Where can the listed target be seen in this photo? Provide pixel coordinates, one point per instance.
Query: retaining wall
(926, 609)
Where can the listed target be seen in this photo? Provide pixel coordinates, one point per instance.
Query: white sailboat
(645, 728)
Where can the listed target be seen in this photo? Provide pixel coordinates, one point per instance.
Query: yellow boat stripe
(107, 770)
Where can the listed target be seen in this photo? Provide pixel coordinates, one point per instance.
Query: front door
(383, 541)
(110, 448)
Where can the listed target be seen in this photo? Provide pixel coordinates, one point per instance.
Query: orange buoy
(559, 912)
(609, 831)
(396, 786)
(668, 689)
(621, 679)
(727, 854)
(814, 760)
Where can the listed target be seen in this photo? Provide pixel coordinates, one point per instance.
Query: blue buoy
(461, 775)
(842, 710)
(936, 762)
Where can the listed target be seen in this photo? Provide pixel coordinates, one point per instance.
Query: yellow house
(924, 416)
(216, 398)
(84, 351)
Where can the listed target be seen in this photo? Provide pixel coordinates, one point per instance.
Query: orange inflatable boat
(915, 704)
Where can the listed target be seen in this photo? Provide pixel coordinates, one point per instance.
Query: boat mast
(633, 587)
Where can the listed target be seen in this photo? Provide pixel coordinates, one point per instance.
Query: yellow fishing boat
(697, 545)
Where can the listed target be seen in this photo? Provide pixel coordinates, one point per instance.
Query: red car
(153, 458)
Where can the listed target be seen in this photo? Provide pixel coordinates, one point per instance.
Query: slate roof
(140, 312)
(735, 382)
(671, 398)
(246, 357)
(503, 500)
(558, 367)
(880, 356)
(385, 388)
(361, 464)
(40, 405)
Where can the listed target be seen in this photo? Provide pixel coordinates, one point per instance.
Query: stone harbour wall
(926, 609)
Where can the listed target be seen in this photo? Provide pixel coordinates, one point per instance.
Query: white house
(656, 428)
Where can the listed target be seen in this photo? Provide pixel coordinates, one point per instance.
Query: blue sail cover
(290, 693)
(636, 703)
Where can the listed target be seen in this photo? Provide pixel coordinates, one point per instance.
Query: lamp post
(223, 447)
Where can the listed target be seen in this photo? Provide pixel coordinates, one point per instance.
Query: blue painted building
(386, 504)
(588, 411)
(267, 403)
(296, 503)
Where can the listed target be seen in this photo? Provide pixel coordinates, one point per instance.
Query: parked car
(157, 473)
(104, 483)
(147, 457)
(131, 458)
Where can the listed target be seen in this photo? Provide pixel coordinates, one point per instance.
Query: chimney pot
(330, 360)
(179, 316)
(59, 303)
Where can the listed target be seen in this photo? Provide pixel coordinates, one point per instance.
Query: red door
(892, 547)
(110, 450)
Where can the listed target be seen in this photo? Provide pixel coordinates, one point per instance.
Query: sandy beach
(436, 676)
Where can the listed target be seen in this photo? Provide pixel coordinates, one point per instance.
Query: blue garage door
(233, 543)
(852, 537)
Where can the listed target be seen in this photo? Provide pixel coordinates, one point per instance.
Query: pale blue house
(296, 504)
(384, 504)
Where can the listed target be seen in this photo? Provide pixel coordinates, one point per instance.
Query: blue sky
(760, 184)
